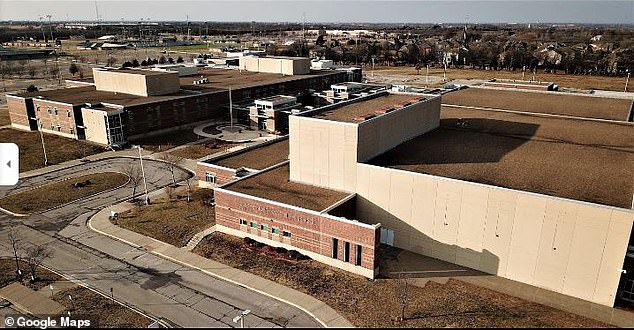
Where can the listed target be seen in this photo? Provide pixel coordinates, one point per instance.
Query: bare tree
(403, 292)
(35, 255)
(170, 163)
(135, 175)
(189, 182)
(31, 72)
(15, 242)
(73, 69)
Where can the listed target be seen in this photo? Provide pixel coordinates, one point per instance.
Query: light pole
(147, 198)
(39, 128)
(626, 81)
(241, 318)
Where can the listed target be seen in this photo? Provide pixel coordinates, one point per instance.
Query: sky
(369, 11)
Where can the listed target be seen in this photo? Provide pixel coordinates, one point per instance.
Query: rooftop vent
(201, 81)
(364, 117)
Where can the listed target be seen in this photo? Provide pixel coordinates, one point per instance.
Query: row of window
(59, 129)
(210, 177)
(265, 228)
(346, 251)
(53, 111)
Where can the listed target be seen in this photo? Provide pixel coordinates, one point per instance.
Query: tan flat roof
(275, 185)
(550, 103)
(570, 158)
(347, 113)
(258, 158)
(225, 78)
(88, 94)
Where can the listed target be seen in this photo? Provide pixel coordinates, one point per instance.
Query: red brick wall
(222, 175)
(62, 119)
(309, 231)
(17, 110)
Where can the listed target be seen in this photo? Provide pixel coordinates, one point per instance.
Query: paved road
(160, 287)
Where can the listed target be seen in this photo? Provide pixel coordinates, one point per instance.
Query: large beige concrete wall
(385, 132)
(570, 247)
(323, 153)
(287, 66)
(95, 123)
(136, 84)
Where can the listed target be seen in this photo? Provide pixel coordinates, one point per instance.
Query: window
(275, 231)
(71, 131)
(243, 222)
(49, 110)
(37, 109)
(335, 248)
(286, 234)
(59, 128)
(52, 127)
(264, 228)
(346, 251)
(210, 177)
(68, 113)
(253, 224)
(357, 259)
(55, 109)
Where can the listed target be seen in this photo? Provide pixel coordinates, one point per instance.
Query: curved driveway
(157, 286)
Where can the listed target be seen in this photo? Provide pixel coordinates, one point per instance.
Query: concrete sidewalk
(327, 316)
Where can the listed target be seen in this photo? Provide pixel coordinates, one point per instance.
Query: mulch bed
(375, 303)
(166, 140)
(58, 193)
(8, 275)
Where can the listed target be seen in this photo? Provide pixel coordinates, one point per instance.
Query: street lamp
(241, 318)
(147, 198)
(39, 128)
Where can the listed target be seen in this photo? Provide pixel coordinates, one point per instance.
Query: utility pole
(230, 109)
(42, 29)
(50, 27)
(303, 32)
(626, 81)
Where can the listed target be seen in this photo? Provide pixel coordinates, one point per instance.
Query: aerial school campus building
(474, 188)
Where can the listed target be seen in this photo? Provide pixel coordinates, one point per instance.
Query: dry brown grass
(197, 151)
(8, 273)
(4, 116)
(563, 80)
(375, 304)
(101, 311)
(172, 222)
(58, 149)
(166, 140)
(58, 193)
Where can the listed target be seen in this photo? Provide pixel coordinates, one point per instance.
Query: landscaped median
(84, 302)
(55, 194)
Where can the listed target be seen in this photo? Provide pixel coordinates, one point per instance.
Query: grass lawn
(197, 151)
(101, 311)
(4, 116)
(58, 193)
(375, 303)
(58, 149)
(172, 221)
(187, 48)
(167, 140)
(563, 80)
